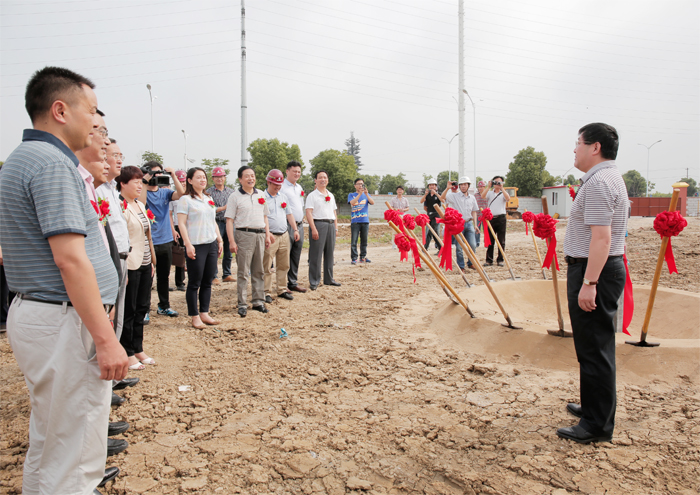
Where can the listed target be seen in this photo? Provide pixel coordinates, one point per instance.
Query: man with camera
(158, 199)
(461, 201)
(497, 198)
(359, 220)
(430, 199)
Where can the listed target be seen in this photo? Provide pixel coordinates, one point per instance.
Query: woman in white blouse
(196, 216)
(141, 265)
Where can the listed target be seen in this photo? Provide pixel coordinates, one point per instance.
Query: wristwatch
(589, 282)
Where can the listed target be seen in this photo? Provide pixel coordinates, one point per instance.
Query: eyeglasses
(117, 156)
(103, 132)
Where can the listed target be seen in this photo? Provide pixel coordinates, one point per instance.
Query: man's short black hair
(604, 134)
(399, 187)
(359, 179)
(152, 164)
(498, 177)
(293, 163)
(243, 169)
(50, 84)
(320, 172)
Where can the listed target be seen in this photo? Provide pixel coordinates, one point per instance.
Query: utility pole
(244, 106)
(460, 87)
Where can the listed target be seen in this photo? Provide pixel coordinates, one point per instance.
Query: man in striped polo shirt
(57, 263)
(594, 244)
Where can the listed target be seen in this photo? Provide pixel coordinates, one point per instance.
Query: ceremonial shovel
(472, 257)
(561, 332)
(537, 250)
(503, 253)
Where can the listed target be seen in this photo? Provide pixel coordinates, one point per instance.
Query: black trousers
(499, 224)
(201, 272)
(294, 255)
(179, 270)
(429, 234)
(164, 260)
(5, 297)
(594, 340)
(137, 302)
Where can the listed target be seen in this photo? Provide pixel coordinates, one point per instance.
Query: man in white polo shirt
(497, 198)
(466, 204)
(247, 212)
(295, 195)
(593, 246)
(322, 215)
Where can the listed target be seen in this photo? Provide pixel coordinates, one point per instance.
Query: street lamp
(186, 158)
(474, 113)
(152, 98)
(648, 150)
(449, 156)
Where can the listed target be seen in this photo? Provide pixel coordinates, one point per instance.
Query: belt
(254, 231)
(123, 256)
(501, 215)
(570, 260)
(280, 233)
(323, 220)
(36, 299)
(299, 223)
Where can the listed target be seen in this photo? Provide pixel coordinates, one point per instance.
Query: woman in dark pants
(140, 264)
(196, 217)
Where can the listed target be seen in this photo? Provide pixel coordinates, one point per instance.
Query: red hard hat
(218, 172)
(275, 176)
(181, 175)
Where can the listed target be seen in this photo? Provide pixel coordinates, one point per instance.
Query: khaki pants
(279, 253)
(70, 404)
(250, 261)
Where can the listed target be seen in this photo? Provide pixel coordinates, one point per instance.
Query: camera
(157, 179)
(497, 183)
(454, 183)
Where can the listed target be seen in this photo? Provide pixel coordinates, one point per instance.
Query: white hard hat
(464, 180)
(432, 181)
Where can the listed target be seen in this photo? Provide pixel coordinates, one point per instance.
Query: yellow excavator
(512, 206)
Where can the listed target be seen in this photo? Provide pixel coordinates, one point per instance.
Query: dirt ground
(384, 386)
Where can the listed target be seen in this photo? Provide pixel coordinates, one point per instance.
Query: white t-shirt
(497, 205)
(323, 205)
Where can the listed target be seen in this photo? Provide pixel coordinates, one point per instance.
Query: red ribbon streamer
(402, 242)
(486, 217)
(669, 224)
(551, 253)
(628, 308)
(422, 220)
(545, 227)
(454, 224)
(528, 218)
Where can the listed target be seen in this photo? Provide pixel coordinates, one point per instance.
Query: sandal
(138, 366)
(148, 361)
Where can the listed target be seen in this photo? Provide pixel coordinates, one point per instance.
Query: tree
(571, 180)
(149, 156)
(426, 178)
(341, 170)
(307, 183)
(371, 182)
(442, 178)
(389, 183)
(210, 164)
(527, 172)
(548, 180)
(636, 184)
(353, 148)
(692, 185)
(267, 154)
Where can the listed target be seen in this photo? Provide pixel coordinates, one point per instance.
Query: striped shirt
(42, 195)
(146, 248)
(482, 202)
(601, 200)
(220, 199)
(201, 221)
(463, 204)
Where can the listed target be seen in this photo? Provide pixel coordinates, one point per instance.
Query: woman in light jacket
(140, 264)
(196, 217)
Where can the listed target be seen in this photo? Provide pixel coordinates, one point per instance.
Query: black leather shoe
(242, 312)
(260, 308)
(268, 299)
(117, 428)
(574, 409)
(126, 382)
(297, 288)
(110, 474)
(287, 295)
(579, 435)
(115, 446)
(334, 284)
(313, 287)
(171, 289)
(116, 400)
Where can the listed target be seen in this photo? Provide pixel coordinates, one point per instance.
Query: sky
(386, 70)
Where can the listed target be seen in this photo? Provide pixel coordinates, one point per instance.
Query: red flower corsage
(261, 201)
(212, 204)
(302, 193)
(102, 210)
(283, 205)
(572, 193)
(151, 216)
(328, 199)
(124, 205)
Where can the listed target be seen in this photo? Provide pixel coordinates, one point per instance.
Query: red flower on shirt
(283, 205)
(328, 199)
(102, 210)
(125, 205)
(261, 201)
(151, 216)
(212, 204)
(302, 193)
(572, 192)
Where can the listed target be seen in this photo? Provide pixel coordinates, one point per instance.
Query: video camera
(157, 179)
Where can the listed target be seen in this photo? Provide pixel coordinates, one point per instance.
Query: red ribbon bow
(528, 218)
(454, 224)
(545, 227)
(669, 224)
(487, 216)
(405, 244)
(422, 220)
(395, 217)
(409, 221)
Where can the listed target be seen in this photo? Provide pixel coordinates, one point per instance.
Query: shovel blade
(560, 333)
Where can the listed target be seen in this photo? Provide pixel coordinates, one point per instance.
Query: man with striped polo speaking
(594, 245)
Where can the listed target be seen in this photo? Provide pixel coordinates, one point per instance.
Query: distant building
(559, 200)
